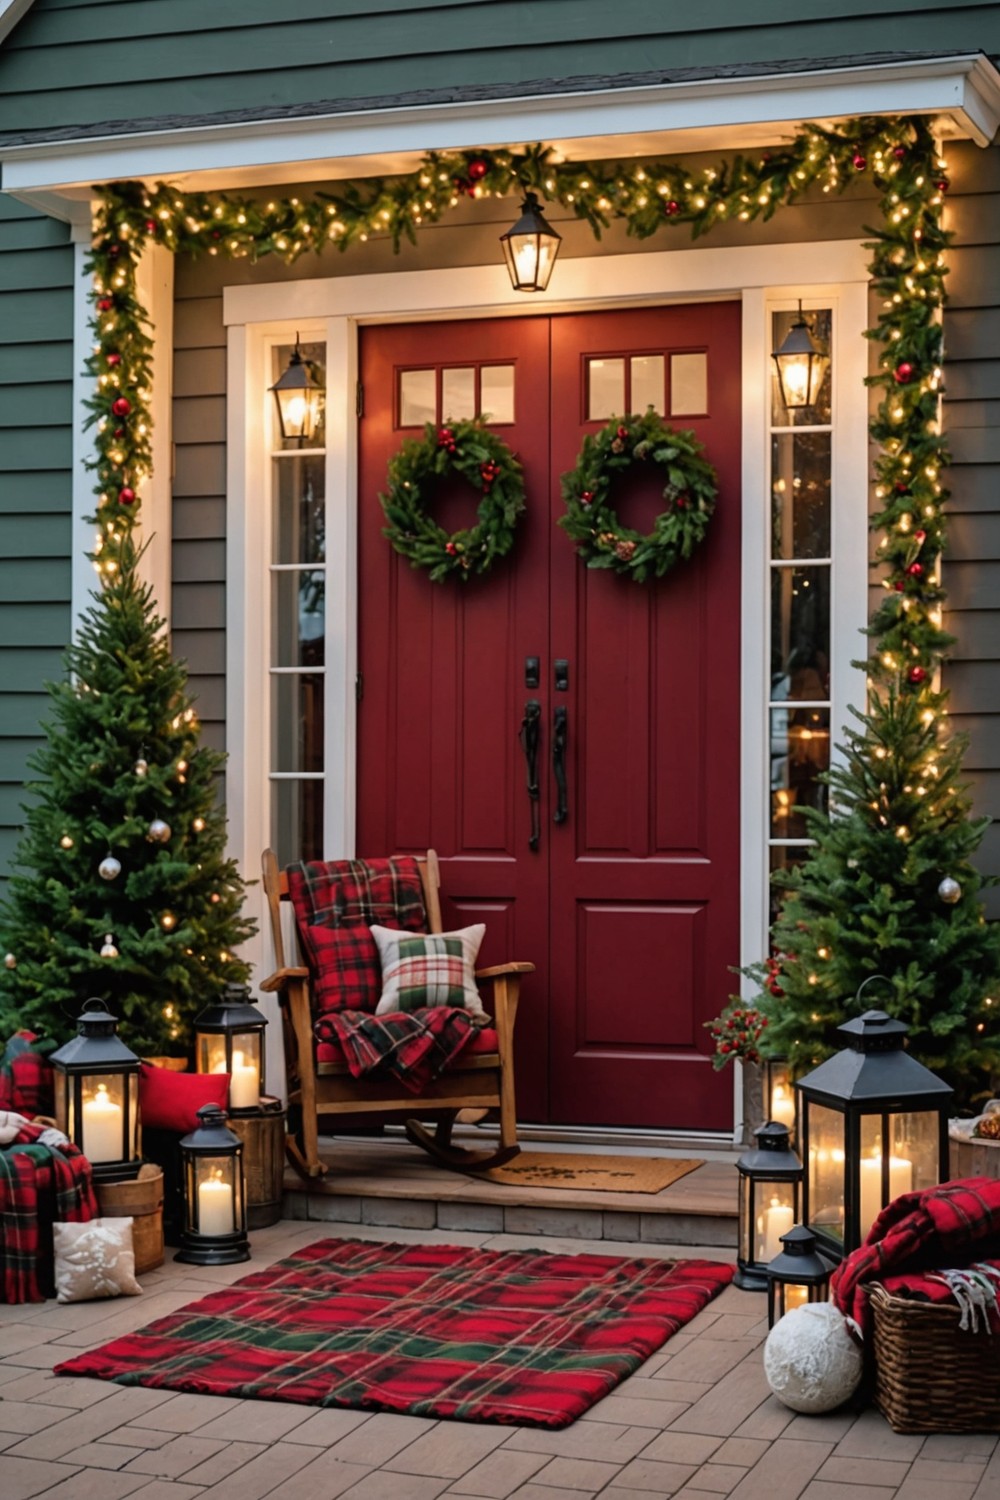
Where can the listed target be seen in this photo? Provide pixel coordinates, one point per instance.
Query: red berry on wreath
(681, 502)
(916, 570)
(587, 497)
(151, 226)
(942, 184)
(904, 372)
(121, 406)
(126, 495)
(859, 162)
(671, 207)
(119, 432)
(917, 674)
(899, 585)
(899, 152)
(114, 359)
(105, 304)
(477, 169)
(623, 432)
(450, 548)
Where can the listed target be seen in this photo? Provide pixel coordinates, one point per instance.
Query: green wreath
(690, 494)
(472, 450)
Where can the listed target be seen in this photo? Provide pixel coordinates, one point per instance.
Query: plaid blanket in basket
(935, 1229)
(26, 1076)
(39, 1186)
(414, 1047)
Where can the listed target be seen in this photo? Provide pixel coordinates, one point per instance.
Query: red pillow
(347, 974)
(170, 1101)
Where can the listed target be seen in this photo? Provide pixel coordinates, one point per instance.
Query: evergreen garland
(689, 493)
(470, 449)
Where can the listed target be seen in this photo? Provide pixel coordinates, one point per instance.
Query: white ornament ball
(109, 868)
(10, 961)
(141, 767)
(950, 891)
(158, 832)
(811, 1361)
(108, 949)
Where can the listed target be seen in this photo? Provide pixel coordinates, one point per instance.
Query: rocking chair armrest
(280, 979)
(499, 969)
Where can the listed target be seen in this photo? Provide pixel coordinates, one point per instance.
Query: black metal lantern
(798, 1274)
(530, 248)
(298, 395)
(229, 1038)
(215, 1215)
(801, 365)
(874, 1126)
(97, 1095)
(770, 1181)
(779, 1097)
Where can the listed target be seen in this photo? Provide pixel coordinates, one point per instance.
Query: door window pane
(458, 393)
(297, 820)
(688, 385)
(800, 633)
(417, 397)
(298, 618)
(299, 509)
(296, 721)
(800, 751)
(784, 857)
(647, 383)
(605, 389)
(496, 400)
(800, 494)
(821, 324)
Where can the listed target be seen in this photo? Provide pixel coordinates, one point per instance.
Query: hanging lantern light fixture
(298, 395)
(801, 365)
(530, 248)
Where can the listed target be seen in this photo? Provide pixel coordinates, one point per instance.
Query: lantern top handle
(874, 1031)
(96, 1019)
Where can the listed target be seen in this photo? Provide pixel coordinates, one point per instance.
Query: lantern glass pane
(779, 1103)
(211, 1054)
(244, 1086)
(132, 1144)
(826, 1169)
(775, 1217)
(214, 1207)
(877, 1187)
(916, 1138)
(102, 1117)
(792, 1294)
(746, 1219)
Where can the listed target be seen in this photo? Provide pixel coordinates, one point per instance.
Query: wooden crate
(974, 1159)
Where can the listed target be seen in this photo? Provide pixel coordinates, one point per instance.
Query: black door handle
(530, 738)
(559, 731)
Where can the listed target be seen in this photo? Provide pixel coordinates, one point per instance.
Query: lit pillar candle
(215, 1206)
(102, 1127)
(900, 1181)
(795, 1295)
(773, 1223)
(783, 1105)
(244, 1092)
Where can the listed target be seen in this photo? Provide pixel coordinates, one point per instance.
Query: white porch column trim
(83, 579)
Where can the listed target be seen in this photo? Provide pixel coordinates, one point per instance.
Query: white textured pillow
(94, 1260)
(426, 970)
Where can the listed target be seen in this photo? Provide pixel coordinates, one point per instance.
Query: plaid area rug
(526, 1337)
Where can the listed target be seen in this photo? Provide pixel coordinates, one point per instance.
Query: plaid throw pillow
(423, 973)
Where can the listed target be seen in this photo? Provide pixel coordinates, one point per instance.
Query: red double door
(628, 902)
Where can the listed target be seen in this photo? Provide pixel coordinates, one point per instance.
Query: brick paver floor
(696, 1422)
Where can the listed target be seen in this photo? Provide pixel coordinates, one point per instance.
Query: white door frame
(763, 278)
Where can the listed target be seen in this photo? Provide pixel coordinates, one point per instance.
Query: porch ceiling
(646, 115)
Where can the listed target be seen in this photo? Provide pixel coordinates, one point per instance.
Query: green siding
(79, 64)
(36, 366)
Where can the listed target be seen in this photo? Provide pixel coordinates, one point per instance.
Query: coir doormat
(526, 1337)
(589, 1173)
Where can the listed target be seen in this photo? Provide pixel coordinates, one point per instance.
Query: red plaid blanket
(414, 1047)
(26, 1077)
(39, 1186)
(938, 1228)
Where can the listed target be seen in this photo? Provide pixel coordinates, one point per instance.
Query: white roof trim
(11, 12)
(963, 92)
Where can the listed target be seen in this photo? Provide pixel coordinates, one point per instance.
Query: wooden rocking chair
(319, 1091)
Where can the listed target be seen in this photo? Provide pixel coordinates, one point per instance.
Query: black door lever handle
(560, 730)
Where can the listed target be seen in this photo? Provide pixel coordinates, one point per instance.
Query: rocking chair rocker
(482, 1077)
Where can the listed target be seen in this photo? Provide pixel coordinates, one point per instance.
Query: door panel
(629, 907)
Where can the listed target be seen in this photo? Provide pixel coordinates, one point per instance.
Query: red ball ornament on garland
(904, 372)
(114, 251)
(105, 304)
(859, 161)
(899, 152)
(920, 536)
(942, 184)
(587, 498)
(671, 208)
(477, 169)
(121, 406)
(899, 585)
(917, 675)
(126, 495)
(151, 226)
(114, 359)
(119, 432)
(901, 487)
(916, 570)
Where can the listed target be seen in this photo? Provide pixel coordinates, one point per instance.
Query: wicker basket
(929, 1375)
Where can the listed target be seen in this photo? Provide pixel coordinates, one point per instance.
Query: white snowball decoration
(811, 1362)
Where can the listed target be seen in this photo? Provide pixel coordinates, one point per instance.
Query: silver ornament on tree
(109, 868)
(141, 766)
(949, 891)
(158, 831)
(108, 949)
(10, 961)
